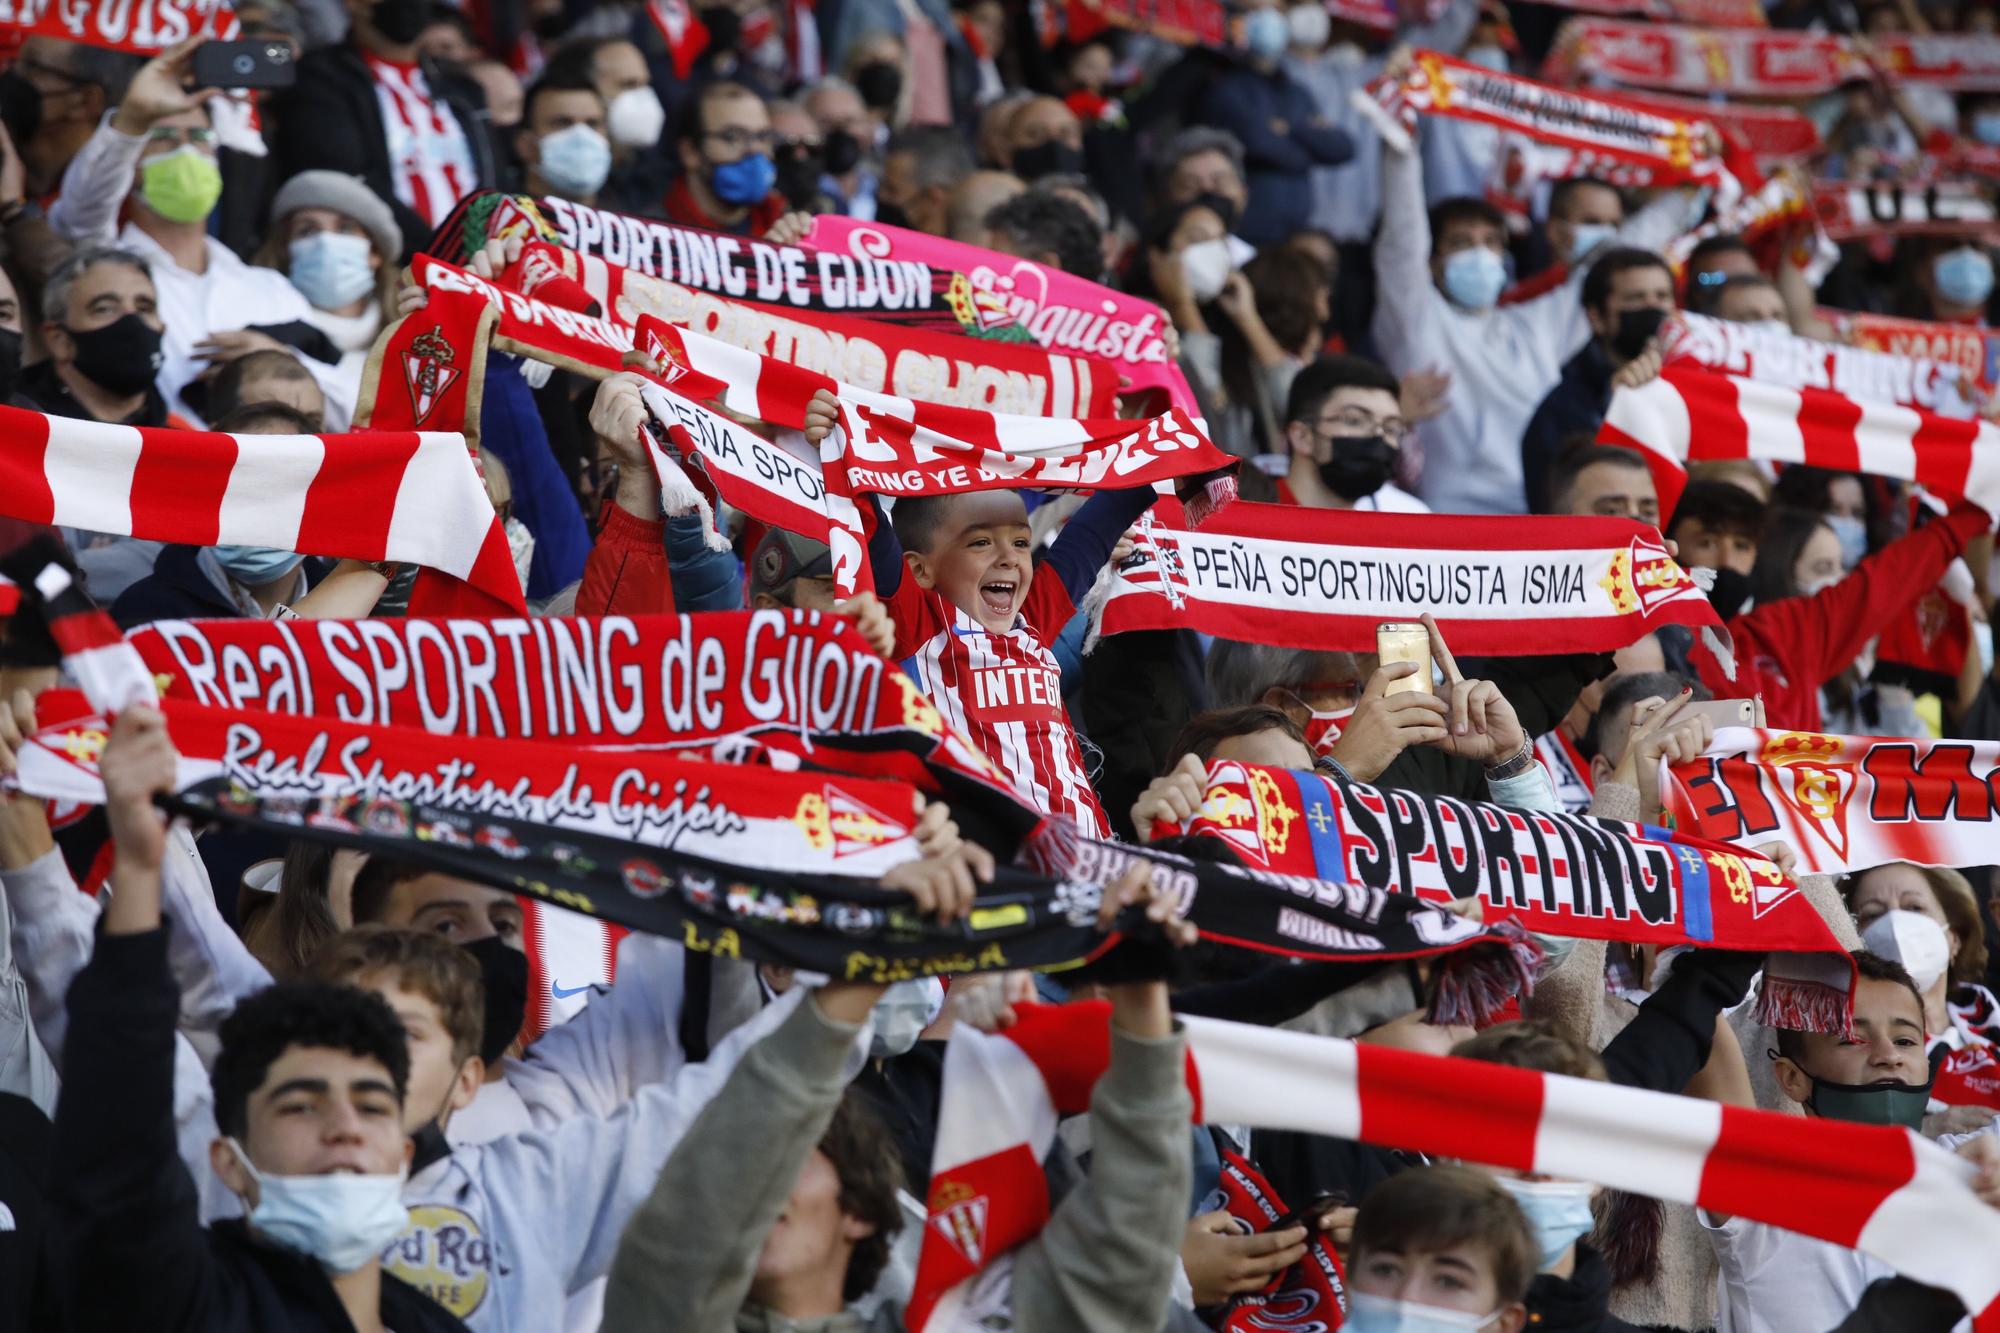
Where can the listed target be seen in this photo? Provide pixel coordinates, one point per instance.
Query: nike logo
(562, 993)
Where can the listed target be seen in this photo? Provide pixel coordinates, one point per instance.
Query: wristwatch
(1522, 761)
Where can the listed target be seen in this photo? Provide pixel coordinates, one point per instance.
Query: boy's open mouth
(997, 595)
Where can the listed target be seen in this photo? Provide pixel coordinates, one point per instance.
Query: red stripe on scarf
(24, 477)
(1827, 422)
(179, 485)
(1424, 1102)
(1828, 1185)
(345, 503)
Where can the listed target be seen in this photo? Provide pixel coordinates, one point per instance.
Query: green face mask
(1871, 1103)
(181, 186)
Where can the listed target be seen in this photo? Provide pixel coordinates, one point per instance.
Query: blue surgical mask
(1587, 236)
(256, 566)
(1489, 57)
(1474, 277)
(576, 160)
(342, 1219)
(1267, 33)
(1963, 276)
(331, 268)
(1379, 1314)
(1558, 1210)
(745, 181)
(1853, 535)
(1986, 127)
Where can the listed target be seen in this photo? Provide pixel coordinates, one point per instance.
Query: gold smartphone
(1405, 641)
(1722, 712)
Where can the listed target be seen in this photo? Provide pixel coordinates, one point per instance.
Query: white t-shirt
(1770, 1280)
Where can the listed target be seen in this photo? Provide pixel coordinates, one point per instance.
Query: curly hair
(870, 1171)
(301, 1013)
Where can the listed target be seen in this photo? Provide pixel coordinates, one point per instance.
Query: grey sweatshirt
(1104, 1262)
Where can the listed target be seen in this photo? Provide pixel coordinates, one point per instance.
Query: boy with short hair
(976, 615)
(309, 1092)
(1777, 1281)
(1436, 1242)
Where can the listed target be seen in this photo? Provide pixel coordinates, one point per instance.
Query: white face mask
(1311, 26)
(342, 1220)
(635, 118)
(1380, 1314)
(903, 1012)
(1912, 939)
(1208, 265)
(1770, 326)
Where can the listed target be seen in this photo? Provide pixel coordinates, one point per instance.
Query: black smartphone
(1310, 1215)
(252, 64)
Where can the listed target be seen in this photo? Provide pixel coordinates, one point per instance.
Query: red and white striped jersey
(430, 159)
(1004, 691)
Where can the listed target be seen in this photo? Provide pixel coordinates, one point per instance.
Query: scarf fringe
(1475, 985)
(1802, 1006)
(1214, 495)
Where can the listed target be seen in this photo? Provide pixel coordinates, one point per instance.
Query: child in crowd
(977, 614)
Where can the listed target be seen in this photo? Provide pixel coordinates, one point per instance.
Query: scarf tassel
(1801, 1005)
(1474, 985)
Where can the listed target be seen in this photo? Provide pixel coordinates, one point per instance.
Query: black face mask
(724, 27)
(1359, 466)
(890, 216)
(20, 106)
(842, 152)
(1636, 328)
(1052, 158)
(799, 171)
(504, 970)
(10, 363)
(121, 357)
(399, 21)
(880, 83)
(1731, 590)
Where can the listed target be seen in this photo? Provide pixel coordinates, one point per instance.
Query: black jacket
(1579, 1303)
(1577, 404)
(178, 590)
(133, 1254)
(45, 391)
(27, 1273)
(330, 120)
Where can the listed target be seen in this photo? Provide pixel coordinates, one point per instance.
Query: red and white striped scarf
(1295, 577)
(116, 27)
(1802, 363)
(412, 497)
(1863, 209)
(1642, 145)
(1878, 1189)
(1688, 415)
(430, 158)
(900, 446)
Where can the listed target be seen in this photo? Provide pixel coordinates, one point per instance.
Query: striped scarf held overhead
(412, 497)
(1878, 1189)
(1691, 415)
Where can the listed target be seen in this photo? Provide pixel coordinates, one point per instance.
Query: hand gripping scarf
(1897, 1196)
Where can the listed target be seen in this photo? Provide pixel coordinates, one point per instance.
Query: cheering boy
(976, 616)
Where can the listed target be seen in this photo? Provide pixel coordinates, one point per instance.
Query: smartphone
(1310, 1216)
(252, 64)
(1405, 641)
(1722, 712)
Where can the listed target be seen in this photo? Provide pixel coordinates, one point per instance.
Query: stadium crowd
(1399, 309)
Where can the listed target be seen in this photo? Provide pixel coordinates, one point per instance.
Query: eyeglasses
(736, 137)
(1356, 421)
(199, 136)
(801, 147)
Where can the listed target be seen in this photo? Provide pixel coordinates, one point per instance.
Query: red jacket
(626, 573)
(1786, 650)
